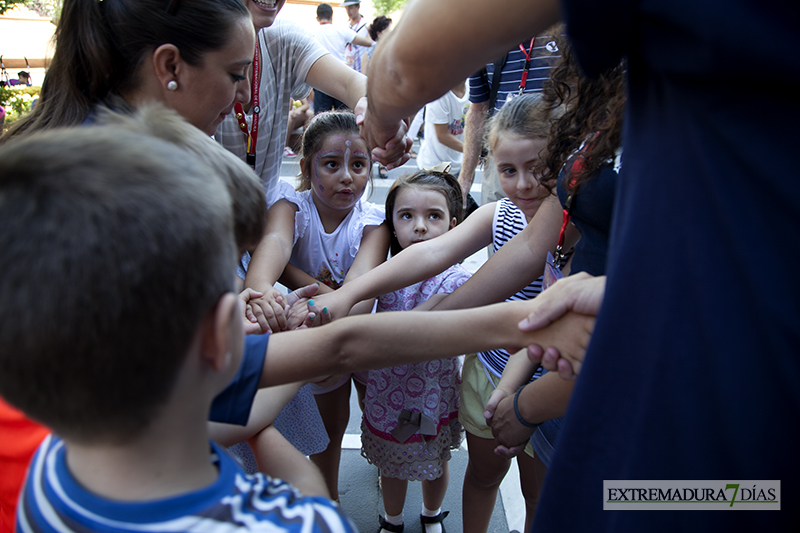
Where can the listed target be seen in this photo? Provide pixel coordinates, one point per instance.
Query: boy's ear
(216, 347)
(167, 63)
(453, 223)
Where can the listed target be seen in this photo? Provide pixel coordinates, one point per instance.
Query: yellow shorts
(475, 391)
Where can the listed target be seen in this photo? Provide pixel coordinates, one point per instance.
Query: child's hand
(251, 322)
(495, 398)
(508, 432)
(327, 307)
(301, 311)
(267, 310)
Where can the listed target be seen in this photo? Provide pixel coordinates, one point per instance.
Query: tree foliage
(45, 8)
(387, 7)
(5, 5)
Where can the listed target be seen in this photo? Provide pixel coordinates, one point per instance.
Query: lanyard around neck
(524, 81)
(251, 135)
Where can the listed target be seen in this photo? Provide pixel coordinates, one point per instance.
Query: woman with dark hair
(581, 163)
(288, 63)
(191, 55)
(378, 26)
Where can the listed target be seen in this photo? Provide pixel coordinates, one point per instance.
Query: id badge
(551, 272)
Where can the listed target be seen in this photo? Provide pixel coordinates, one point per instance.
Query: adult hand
(580, 293)
(389, 143)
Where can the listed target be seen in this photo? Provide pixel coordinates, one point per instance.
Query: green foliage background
(45, 8)
(387, 7)
(5, 5)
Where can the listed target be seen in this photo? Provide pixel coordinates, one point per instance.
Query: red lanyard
(251, 137)
(524, 80)
(560, 258)
(578, 164)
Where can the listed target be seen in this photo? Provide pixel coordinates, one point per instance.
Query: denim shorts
(544, 440)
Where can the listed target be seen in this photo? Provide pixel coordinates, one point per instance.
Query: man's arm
(419, 61)
(361, 40)
(473, 142)
(333, 77)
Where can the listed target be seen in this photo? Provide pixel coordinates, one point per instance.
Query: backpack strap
(499, 63)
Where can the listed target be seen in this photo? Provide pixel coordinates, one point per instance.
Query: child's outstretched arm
(276, 457)
(367, 342)
(268, 261)
(514, 266)
(267, 404)
(372, 252)
(415, 263)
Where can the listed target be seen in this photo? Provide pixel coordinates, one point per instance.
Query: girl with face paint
(322, 232)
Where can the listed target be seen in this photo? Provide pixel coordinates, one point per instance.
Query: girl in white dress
(323, 232)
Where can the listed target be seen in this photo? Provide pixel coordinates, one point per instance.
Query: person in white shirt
(353, 53)
(444, 130)
(334, 39)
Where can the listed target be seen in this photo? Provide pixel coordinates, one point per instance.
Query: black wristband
(519, 416)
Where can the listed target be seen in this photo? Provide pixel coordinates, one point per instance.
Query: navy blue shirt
(693, 371)
(233, 404)
(592, 207)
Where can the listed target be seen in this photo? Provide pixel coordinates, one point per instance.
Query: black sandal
(438, 519)
(389, 527)
(383, 172)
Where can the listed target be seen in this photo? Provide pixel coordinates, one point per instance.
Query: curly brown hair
(593, 115)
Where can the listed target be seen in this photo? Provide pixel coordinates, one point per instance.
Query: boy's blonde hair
(129, 240)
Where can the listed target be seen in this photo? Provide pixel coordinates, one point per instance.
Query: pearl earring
(172, 85)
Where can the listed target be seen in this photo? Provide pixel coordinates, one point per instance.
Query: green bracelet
(519, 416)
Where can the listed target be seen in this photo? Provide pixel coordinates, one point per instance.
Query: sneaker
(287, 152)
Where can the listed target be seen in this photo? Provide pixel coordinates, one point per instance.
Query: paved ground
(358, 481)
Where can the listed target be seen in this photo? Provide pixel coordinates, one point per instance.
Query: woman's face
(206, 93)
(264, 11)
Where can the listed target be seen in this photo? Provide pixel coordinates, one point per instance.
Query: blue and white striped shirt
(53, 501)
(508, 221)
(543, 56)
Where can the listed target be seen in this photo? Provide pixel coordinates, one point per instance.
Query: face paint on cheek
(315, 173)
